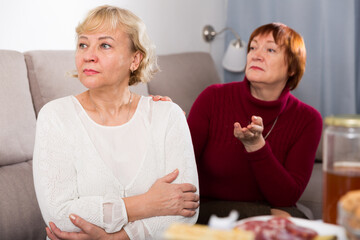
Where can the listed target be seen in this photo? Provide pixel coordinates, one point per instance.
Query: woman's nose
(257, 54)
(91, 55)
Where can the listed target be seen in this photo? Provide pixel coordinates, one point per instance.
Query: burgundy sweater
(278, 172)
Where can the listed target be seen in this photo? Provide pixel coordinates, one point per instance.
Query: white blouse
(82, 167)
(123, 147)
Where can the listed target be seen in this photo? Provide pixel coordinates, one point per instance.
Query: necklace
(271, 127)
(101, 116)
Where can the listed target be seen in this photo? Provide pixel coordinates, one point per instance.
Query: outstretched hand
(167, 198)
(251, 135)
(88, 231)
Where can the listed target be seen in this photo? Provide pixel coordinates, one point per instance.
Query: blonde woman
(112, 162)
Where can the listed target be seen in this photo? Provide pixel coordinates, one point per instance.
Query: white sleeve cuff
(115, 215)
(137, 230)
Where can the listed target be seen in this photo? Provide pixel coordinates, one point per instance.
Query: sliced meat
(277, 228)
(304, 233)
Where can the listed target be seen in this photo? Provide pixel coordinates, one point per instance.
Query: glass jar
(341, 161)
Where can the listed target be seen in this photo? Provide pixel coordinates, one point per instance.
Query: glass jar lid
(343, 121)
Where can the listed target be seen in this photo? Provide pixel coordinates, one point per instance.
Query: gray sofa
(29, 80)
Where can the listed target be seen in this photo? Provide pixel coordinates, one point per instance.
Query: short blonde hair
(110, 18)
(295, 51)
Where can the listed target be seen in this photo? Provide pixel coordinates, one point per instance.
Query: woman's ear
(291, 73)
(137, 58)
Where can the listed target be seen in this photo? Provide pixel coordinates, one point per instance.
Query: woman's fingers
(155, 98)
(256, 125)
(54, 228)
(187, 212)
(191, 201)
(160, 98)
(189, 196)
(238, 133)
(165, 98)
(85, 226)
(237, 126)
(88, 230)
(243, 132)
(187, 187)
(184, 187)
(169, 178)
(50, 234)
(257, 120)
(58, 233)
(255, 129)
(191, 205)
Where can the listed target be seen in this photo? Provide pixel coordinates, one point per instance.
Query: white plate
(317, 225)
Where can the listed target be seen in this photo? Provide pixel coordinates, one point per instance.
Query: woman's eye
(105, 46)
(251, 48)
(271, 50)
(82, 45)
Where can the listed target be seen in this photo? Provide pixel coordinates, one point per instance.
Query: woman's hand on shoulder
(160, 98)
(167, 198)
(251, 135)
(88, 231)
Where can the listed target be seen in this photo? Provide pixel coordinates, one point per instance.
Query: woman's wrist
(121, 235)
(137, 207)
(256, 146)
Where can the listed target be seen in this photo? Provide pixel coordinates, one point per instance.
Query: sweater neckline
(268, 110)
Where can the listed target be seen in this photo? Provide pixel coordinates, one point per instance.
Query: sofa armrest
(312, 196)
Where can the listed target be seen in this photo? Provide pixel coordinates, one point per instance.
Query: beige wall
(174, 25)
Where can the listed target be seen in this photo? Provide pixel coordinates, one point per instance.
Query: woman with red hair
(254, 142)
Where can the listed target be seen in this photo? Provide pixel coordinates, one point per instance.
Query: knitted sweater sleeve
(283, 184)
(179, 154)
(56, 177)
(199, 121)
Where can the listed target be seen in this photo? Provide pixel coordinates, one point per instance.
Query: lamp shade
(235, 57)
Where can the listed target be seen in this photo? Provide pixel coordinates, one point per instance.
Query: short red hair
(295, 52)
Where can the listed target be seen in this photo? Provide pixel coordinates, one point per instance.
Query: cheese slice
(182, 231)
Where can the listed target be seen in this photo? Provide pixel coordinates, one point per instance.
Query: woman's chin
(255, 80)
(90, 83)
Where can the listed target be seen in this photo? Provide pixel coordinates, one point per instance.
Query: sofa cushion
(183, 77)
(50, 76)
(20, 216)
(17, 118)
